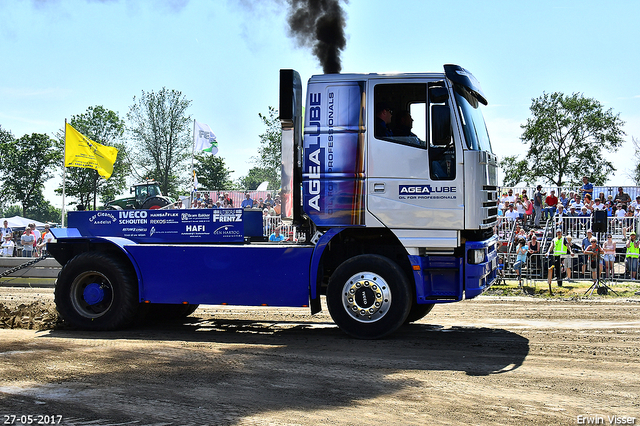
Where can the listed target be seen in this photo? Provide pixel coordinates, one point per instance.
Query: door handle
(378, 187)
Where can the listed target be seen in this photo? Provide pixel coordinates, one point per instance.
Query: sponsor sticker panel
(333, 169)
(162, 226)
(427, 192)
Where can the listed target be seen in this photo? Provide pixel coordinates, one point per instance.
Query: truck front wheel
(96, 292)
(418, 312)
(368, 296)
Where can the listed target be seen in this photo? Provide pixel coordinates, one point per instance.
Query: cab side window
(400, 113)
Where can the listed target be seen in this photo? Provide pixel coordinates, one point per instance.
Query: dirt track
(489, 361)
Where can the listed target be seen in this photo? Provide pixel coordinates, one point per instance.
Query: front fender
(315, 273)
(70, 243)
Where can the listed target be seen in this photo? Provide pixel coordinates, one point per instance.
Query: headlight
(476, 256)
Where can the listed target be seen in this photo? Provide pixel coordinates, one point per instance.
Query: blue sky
(59, 57)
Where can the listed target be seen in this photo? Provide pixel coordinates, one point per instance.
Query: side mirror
(441, 125)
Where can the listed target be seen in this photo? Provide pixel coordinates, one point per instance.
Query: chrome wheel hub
(366, 297)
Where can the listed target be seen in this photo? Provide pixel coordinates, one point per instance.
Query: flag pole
(64, 172)
(193, 171)
(193, 148)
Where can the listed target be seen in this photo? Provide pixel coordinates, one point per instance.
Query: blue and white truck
(394, 218)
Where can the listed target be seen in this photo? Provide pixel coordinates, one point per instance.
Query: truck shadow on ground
(233, 369)
(474, 350)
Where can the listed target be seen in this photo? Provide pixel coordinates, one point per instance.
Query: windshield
(475, 130)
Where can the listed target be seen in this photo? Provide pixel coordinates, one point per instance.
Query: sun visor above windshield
(458, 75)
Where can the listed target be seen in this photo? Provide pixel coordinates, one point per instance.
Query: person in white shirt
(559, 216)
(7, 246)
(6, 230)
(511, 214)
(511, 198)
(47, 237)
(520, 208)
(34, 231)
(576, 202)
(597, 205)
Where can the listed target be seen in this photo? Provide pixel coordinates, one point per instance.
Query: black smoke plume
(319, 24)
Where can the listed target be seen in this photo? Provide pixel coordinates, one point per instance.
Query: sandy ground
(489, 361)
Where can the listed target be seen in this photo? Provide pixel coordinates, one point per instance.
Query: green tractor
(147, 196)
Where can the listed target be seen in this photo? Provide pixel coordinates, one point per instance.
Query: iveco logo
(364, 298)
(132, 214)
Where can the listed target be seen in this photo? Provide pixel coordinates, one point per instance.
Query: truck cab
(433, 168)
(400, 158)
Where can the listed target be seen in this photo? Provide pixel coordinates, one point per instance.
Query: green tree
(13, 210)
(107, 128)
(516, 171)
(566, 138)
(43, 211)
(212, 172)
(161, 131)
(635, 173)
(6, 137)
(269, 157)
(255, 177)
(27, 163)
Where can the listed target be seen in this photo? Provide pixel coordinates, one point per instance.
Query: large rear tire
(154, 203)
(94, 291)
(368, 296)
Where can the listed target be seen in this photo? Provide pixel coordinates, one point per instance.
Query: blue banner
(162, 226)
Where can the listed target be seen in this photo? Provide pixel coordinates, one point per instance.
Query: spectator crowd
(581, 203)
(203, 200)
(570, 215)
(28, 243)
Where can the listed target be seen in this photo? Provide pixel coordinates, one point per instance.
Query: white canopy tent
(19, 222)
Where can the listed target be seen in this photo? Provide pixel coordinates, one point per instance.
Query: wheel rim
(366, 297)
(91, 294)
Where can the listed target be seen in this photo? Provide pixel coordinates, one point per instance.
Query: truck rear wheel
(96, 292)
(369, 296)
(155, 203)
(418, 312)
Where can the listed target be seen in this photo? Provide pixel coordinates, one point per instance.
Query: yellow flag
(81, 151)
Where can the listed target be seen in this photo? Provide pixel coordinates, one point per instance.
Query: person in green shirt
(633, 252)
(559, 247)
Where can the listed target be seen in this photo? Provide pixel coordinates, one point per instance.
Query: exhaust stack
(291, 121)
